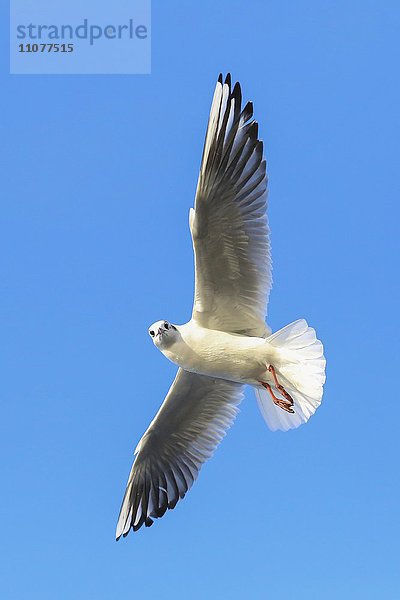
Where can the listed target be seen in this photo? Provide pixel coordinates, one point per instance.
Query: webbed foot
(284, 404)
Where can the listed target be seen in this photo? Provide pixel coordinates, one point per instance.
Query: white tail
(301, 370)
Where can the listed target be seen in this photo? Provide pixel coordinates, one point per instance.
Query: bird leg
(284, 404)
(280, 387)
(278, 401)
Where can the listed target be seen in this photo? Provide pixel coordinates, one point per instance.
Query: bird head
(163, 334)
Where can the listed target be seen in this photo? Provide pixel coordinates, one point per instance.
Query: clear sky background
(99, 173)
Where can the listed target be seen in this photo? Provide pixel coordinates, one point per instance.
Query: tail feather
(301, 370)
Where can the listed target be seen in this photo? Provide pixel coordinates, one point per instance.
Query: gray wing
(191, 422)
(229, 223)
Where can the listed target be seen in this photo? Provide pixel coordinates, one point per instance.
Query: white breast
(218, 354)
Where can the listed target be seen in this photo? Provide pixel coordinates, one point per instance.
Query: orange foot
(281, 403)
(284, 404)
(280, 387)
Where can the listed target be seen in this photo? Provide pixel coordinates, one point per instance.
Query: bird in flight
(227, 343)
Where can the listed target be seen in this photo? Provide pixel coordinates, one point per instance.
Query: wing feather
(191, 422)
(229, 223)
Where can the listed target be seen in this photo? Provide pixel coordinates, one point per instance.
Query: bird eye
(151, 333)
(166, 325)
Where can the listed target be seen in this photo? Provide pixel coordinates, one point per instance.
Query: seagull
(227, 343)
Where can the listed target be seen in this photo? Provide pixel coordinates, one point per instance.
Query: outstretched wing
(229, 224)
(191, 422)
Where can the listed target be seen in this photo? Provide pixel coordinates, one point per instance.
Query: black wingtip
(253, 130)
(247, 112)
(220, 78)
(236, 92)
(228, 80)
(161, 511)
(237, 96)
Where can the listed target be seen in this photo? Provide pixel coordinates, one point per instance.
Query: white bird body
(227, 342)
(231, 356)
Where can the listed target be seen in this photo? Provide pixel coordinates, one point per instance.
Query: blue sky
(99, 173)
